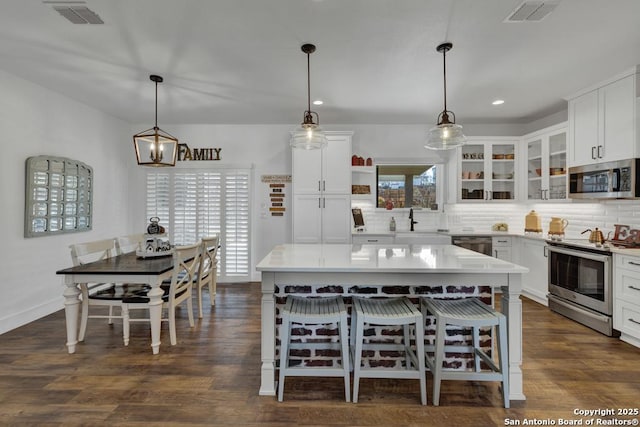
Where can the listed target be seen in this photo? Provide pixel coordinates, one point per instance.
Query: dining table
(125, 268)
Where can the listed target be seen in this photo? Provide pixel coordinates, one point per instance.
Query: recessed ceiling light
(318, 102)
(498, 102)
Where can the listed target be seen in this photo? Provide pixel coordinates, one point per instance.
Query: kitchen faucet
(411, 221)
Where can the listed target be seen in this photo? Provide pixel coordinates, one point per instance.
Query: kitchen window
(194, 203)
(408, 185)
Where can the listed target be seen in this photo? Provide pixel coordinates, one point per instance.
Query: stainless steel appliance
(580, 276)
(480, 244)
(611, 180)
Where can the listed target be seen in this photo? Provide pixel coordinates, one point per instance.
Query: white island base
(343, 268)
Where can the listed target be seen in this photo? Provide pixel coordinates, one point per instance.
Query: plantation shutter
(236, 212)
(196, 203)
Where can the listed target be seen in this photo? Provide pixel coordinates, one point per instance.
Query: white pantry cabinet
(533, 255)
(602, 122)
(321, 219)
(322, 192)
(326, 171)
(626, 297)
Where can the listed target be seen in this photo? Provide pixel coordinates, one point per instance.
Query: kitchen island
(411, 270)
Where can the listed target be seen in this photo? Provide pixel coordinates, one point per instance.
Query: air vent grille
(78, 14)
(532, 11)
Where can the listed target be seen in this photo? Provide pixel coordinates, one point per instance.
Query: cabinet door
(617, 101)
(336, 219)
(307, 218)
(533, 255)
(557, 171)
(502, 170)
(583, 121)
(472, 168)
(536, 165)
(307, 169)
(547, 166)
(336, 165)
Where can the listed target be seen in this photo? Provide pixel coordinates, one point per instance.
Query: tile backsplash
(480, 216)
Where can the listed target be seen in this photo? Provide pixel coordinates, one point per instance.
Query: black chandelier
(155, 147)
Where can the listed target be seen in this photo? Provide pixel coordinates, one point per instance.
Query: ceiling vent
(76, 12)
(532, 11)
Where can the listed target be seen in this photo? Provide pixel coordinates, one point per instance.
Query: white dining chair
(96, 294)
(186, 262)
(208, 271)
(128, 243)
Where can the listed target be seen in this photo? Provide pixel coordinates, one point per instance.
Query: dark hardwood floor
(212, 377)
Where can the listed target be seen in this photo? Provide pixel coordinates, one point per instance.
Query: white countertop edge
(346, 258)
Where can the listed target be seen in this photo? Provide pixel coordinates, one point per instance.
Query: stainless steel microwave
(610, 180)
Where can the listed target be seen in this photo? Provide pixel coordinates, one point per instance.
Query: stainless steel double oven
(580, 284)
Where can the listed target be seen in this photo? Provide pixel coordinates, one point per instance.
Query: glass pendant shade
(309, 136)
(155, 147)
(446, 135)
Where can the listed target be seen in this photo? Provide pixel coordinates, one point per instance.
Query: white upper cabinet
(487, 169)
(602, 122)
(546, 166)
(322, 192)
(324, 171)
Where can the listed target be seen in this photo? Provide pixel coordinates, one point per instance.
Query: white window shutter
(197, 203)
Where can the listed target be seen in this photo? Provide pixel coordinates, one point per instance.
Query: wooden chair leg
(439, 358)
(344, 342)
(358, 357)
(190, 309)
(284, 353)
(504, 360)
(125, 324)
(172, 325)
(200, 302)
(84, 314)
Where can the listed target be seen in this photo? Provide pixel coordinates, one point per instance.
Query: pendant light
(446, 134)
(155, 147)
(309, 136)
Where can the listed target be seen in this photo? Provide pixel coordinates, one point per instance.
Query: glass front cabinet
(487, 169)
(546, 166)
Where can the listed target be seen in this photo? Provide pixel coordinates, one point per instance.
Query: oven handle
(581, 254)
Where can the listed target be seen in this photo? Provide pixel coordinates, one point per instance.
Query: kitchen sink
(421, 238)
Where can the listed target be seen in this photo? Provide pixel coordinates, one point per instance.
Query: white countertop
(390, 258)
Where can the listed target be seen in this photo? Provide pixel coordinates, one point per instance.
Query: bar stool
(388, 311)
(468, 312)
(314, 311)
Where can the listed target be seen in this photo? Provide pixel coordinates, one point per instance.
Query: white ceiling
(239, 61)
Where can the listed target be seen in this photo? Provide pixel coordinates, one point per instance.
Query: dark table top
(123, 264)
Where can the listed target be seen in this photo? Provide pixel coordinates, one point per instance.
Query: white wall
(36, 121)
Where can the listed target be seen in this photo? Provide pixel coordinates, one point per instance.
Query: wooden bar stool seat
(314, 311)
(391, 312)
(472, 313)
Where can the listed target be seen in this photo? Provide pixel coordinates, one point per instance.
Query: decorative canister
(154, 227)
(532, 223)
(557, 226)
